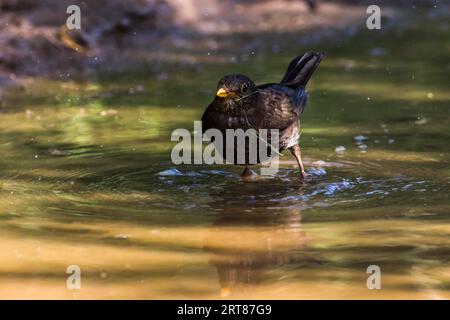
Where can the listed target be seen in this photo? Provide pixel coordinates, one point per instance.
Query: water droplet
(360, 138)
(170, 172)
(363, 146)
(340, 149)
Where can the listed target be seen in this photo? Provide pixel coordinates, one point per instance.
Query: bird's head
(235, 87)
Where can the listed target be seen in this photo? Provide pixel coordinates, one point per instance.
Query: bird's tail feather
(301, 69)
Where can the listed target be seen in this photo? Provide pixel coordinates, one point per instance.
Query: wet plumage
(240, 104)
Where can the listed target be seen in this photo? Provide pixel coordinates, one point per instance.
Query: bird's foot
(303, 174)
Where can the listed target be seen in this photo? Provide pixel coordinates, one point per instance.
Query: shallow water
(86, 179)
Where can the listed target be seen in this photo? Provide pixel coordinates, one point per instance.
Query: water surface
(86, 179)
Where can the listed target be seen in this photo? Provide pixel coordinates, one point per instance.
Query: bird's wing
(208, 111)
(281, 106)
(209, 117)
(299, 95)
(215, 118)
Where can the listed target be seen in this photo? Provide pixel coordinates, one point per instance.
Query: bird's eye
(244, 88)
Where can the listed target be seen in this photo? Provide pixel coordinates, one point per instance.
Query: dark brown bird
(240, 104)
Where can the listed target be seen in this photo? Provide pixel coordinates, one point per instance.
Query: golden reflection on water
(287, 260)
(242, 255)
(79, 185)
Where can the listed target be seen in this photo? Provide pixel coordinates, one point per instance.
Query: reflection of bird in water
(244, 245)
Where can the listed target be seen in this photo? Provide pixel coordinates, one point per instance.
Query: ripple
(202, 190)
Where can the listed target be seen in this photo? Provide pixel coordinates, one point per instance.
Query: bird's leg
(247, 172)
(297, 153)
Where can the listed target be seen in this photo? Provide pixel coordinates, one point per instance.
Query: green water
(81, 182)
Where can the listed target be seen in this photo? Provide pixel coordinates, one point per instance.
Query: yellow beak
(222, 93)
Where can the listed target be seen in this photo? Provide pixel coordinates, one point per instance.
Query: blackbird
(240, 104)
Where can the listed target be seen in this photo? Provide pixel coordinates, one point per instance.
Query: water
(86, 179)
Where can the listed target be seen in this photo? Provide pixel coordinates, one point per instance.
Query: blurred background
(117, 35)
